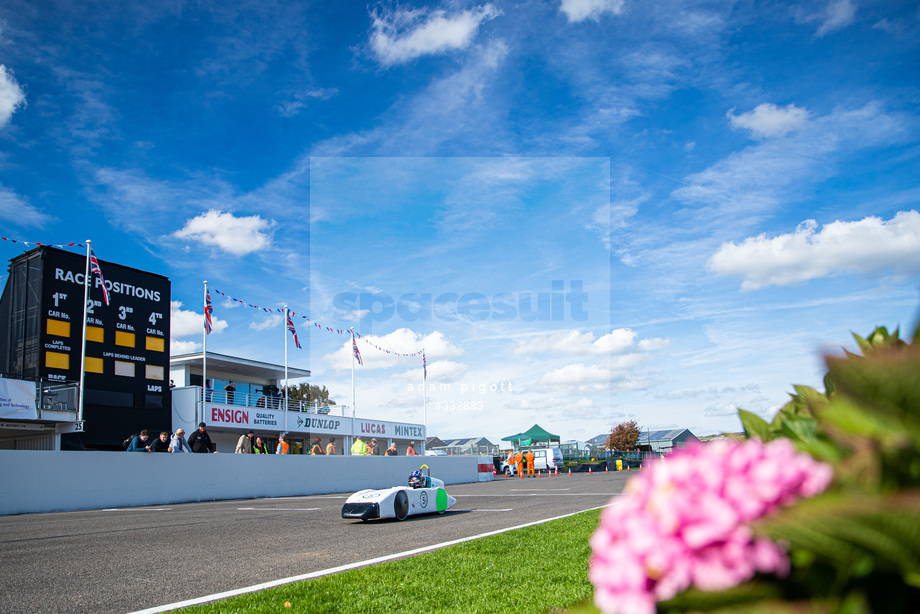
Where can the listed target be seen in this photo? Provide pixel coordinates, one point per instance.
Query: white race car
(423, 495)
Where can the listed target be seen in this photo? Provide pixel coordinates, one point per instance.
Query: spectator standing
(330, 447)
(359, 448)
(391, 451)
(230, 388)
(373, 450)
(161, 443)
(283, 446)
(259, 447)
(207, 390)
(244, 445)
(177, 442)
(317, 448)
(200, 442)
(140, 443)
(410, 451)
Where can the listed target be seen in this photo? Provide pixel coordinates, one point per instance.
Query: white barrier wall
(41, 481)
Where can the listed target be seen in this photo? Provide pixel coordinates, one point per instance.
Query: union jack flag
(207, 313)
(357, 353)
(290, 327)
(94, 268)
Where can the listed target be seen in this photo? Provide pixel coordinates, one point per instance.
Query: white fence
(33, 481)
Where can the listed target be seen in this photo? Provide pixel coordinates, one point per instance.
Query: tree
(311, 394)
(624, 436)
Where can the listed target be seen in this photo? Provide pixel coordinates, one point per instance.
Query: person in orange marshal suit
(530, 473)
(519, 459)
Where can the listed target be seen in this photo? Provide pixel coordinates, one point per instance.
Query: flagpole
(424, 394)
(204, 357)
(354, 402)
(89, 245)
(284, 332)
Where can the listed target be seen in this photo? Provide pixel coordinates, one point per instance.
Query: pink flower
(684, 522)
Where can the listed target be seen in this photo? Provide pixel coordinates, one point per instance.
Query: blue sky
(706, 196)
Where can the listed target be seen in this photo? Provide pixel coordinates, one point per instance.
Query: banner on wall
(263, 419)
(17, 399)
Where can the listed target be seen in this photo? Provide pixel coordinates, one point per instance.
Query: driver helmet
(416, 479)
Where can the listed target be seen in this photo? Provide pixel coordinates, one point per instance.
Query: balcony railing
(260, 401)
(57, 397)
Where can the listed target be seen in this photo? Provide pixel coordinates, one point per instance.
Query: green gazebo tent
(532, 435)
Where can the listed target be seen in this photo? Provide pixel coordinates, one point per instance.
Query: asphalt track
(131, 559)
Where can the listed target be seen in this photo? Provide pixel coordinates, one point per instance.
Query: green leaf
(746, 594)
(754, 425)
(887, 386)
(854, 531)
(864, 345)
(830, 386)
(854, 418)
(799, 429)
(809, 395)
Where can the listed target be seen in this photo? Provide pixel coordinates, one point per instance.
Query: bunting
(37, 244)
(424, 367)
(338, 331)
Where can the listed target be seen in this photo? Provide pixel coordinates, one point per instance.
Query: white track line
(549, 494)
(326, 572)
(507, 509)
(277, 509)
(538, 489)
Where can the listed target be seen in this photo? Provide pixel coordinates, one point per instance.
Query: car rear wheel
(401, 505)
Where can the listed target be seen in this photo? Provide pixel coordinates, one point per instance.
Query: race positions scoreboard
(127, 341)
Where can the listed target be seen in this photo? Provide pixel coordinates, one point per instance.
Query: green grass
(535, 569)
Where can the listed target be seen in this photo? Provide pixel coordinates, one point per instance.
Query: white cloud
(17, 211)
(647, 345)
(548, 402)
(720, 410)
(578, 375)
(576, 343)
(183, 322)
(740, 188)
(235, 235)
(177, 348)
(401, 341)
(616, 376)
(579, 10)
(355, 315)
(407, 400)
(11, 95)
(864, 246)
(271, 321)
(768, 120)
(440, 371)
(293, 107)
(839, 14)
(407, 34)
